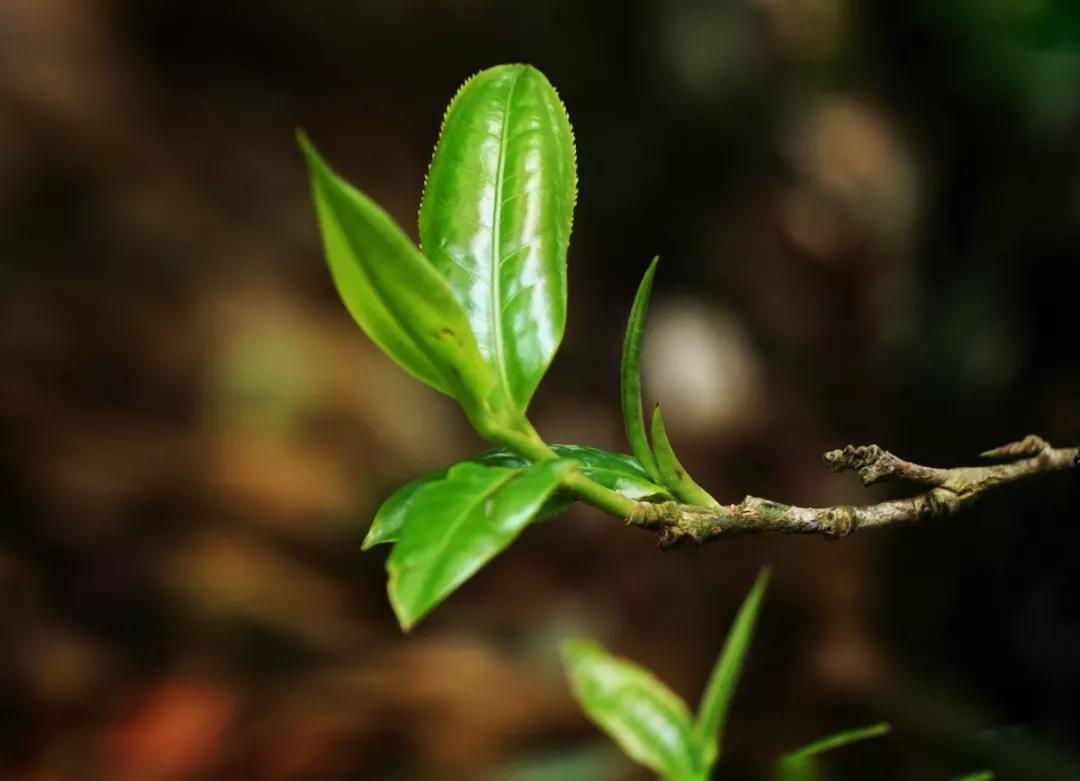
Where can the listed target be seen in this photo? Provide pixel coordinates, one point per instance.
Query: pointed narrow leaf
(633, 412)
(648, 721)
(982, 775)
(836, 740)
(456, 525)
(496, 216)
(394, 293)
(617, 471)
(672, 473)
(715, 703)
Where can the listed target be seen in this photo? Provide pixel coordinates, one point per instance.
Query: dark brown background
(869, 219)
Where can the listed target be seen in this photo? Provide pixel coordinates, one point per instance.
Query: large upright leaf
(621, 473)
(633, 412)
(462, 522)
(648, 721)
(496, 216)
(394, 293)
(715, 703)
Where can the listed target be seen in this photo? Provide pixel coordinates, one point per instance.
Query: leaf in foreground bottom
(648, 721)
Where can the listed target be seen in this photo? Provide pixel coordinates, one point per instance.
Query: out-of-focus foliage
(719, 692)
(653, 725)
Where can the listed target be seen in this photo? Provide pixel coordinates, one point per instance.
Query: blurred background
(868, 215)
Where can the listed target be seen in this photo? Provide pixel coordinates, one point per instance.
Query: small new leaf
(496, 216)
(633, 411)
(395, 294)
(455, 525)
(648, 721)
(716, 701)
(672, 473)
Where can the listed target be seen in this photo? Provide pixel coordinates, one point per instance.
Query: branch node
(870, 462)
(838, 522)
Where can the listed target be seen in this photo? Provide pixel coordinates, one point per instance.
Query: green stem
(526, 442)
(591, 492)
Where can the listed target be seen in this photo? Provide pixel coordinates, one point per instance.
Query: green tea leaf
(648, 721)
(715, 703)
(633, 412)
(496, 217)
(672, 473)
(981, 775)
(392, 514)
(394, 293)
(617, 471)
(621, 473)
(836, 740)
(455, 525)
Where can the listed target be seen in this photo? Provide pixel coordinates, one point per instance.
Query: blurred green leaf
(601, 761)
(981, 775)
(394, 293)
(836, 740)
(802, 764)
(455, 525)
(633, 412)
(716, 701)
(672, 473)
(621, 473)
(496, 216)
(648, 721)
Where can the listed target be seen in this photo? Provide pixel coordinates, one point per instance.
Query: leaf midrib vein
(496, 220)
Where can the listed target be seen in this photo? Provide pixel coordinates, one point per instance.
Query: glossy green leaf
(981, 775)
(836, 740)
(457, 524)
(633, 411)
(672, 473)
(394, 293)
(648, 721)
(496, 217)
(617, 471)
(715, 703)
(621, 473)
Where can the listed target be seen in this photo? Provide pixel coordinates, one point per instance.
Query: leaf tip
(406, 616)
(304, 142)
(573, 646)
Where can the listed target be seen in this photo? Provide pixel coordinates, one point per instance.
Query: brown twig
(950, 490)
